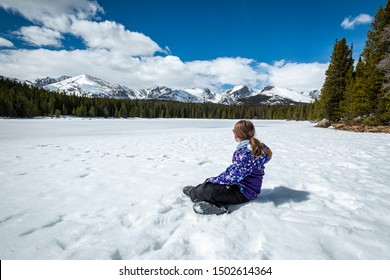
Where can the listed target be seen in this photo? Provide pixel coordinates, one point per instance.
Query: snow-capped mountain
(231, 96)
(85, 85)
(203, 94)
(165, 93)
(314, 94)
(280, 95)
(269, 95)
(47, 81)
(16, 80)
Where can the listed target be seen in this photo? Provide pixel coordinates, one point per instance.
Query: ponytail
(257, 147)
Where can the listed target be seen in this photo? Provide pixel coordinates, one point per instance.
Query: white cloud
(111, 66)
(55, 18)
(6, 43)
(55, 15)
(144, 72)
(223, 70)
(40, 36)
(113, 36)
(351, 23)
(297, 76)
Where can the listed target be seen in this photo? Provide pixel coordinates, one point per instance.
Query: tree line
(19, 100)
(361, 92)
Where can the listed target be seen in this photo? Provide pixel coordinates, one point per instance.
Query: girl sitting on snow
(241, 182)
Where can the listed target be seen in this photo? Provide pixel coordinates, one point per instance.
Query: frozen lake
(112, 189)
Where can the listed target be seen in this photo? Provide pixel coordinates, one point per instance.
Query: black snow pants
(217, 194)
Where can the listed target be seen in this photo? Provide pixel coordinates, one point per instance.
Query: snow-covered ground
(112, 189)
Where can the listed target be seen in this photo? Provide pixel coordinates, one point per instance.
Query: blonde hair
(245, 130)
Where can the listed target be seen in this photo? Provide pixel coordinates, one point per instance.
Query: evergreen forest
(359, 93)
(19, 100)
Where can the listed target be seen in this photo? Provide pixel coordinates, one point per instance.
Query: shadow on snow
(278, 196)
(281, 195)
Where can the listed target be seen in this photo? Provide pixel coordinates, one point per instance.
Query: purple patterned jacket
(246, 171)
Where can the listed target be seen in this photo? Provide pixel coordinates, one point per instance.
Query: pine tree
(337, 78)
(57, 113)
(384, 65)
(106, 113)
(369, 84)
(347, 103)
(92, 112)
(123, 113)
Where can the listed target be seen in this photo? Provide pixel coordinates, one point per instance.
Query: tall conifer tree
(370, 77)
(384, 65)
(337, 78)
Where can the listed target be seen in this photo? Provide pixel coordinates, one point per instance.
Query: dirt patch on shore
(362, 128)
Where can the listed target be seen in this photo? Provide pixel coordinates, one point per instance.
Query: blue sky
(202, 43)
(301, 31)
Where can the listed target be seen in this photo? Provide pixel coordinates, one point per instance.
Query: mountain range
(86, 85)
